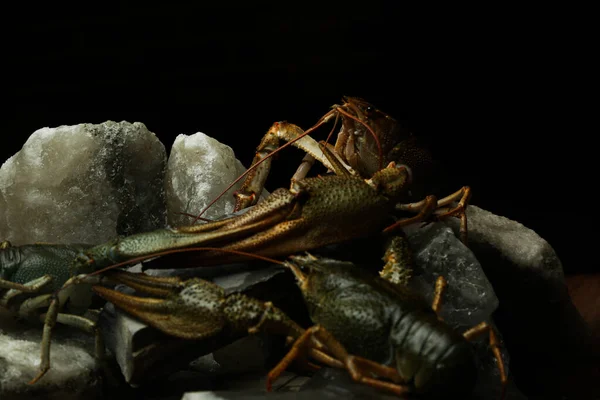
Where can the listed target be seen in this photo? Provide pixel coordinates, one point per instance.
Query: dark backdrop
(490, 89)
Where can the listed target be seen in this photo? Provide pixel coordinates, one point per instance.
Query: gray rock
(84, 183)
(542, 329)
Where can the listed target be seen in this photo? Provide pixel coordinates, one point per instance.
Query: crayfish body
(46, 264)
(388, 324)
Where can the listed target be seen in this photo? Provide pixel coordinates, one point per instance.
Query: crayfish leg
(426, 208)
(480, 329)
(360, 369)
(440, 287)
(460, 211)
(440, 209)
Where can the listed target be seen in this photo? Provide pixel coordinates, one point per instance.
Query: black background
(493, 90)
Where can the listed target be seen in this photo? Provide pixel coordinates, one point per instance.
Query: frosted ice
(199, 169)
(84, 183)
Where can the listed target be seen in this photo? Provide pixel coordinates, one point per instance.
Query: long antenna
(162, 253)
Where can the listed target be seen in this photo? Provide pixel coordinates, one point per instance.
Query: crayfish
(358, 200)
(368, 140)
(384, 335)
(315, 211)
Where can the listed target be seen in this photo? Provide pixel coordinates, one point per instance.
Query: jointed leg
(358, 368)
(440, 286)
(307, 162)
(15, 289)
(29, 287)
(254, 183)
(480, 329)
(459, 211)
(52, 315)
(474, 332)
(425, 207)
(440, 210)
(86, 325)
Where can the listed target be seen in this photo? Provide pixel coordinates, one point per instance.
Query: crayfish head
(365, 132)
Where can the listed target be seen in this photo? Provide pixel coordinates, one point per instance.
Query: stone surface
(199, 169)
(542, 329)
(84, 183)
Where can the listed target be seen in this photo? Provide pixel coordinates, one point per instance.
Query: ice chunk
(84, 183)
(199, 169)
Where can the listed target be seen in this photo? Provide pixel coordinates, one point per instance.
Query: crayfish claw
(191, 310)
